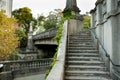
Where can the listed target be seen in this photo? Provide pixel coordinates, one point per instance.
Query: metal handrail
(107, 55)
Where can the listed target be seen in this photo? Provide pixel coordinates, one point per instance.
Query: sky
(45, 6)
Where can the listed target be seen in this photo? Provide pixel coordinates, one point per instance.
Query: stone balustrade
(47, 34)
(57, 72)
(18, 65)
(20, 68)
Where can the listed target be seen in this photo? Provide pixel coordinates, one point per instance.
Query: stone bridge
(42, 45)
(45, 38)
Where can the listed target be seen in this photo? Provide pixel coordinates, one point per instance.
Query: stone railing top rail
(19, 61)
(47, 34)
(57, 72)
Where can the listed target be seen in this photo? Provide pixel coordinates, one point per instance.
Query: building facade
(106, 21)
(7, 6)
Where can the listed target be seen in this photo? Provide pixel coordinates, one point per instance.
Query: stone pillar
(72, 5)
(76, 24)
(92, 12)
(30, 47)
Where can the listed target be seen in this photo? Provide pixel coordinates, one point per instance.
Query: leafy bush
(86, 22)
(47, 73)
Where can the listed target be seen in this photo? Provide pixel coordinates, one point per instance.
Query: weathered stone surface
(74, 26)
(106, 19)
(72, 4)
(6, 76)
(57, 72)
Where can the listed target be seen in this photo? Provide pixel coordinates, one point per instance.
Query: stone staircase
(82, 59)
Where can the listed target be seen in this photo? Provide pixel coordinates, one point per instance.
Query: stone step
(80, 35)
(83, 55)
(83, 45)
(83, 59)
(86, 78)
(86, 73)
(80, 38)
(83, 34)
(86, 68)
(85, 63)
(79, 42)
(83, 48)
(82, 51)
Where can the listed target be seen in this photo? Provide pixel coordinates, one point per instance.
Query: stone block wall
(106, 19)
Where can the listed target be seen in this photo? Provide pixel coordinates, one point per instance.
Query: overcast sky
(45, 6)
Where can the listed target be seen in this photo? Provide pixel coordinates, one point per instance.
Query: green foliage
(54, 59)
(49, 24)
(8, 40)
(59, 35)
(67, 13)
(86, 22)
(13, 57)
(40, 20)
(20, 33)
(24, 17)
(47, 73)
(51, 21)
(22, 37)
(23, 42)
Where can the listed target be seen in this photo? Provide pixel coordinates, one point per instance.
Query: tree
(40, 19)
(51, 21)
(86, 21)
(22, 37)
(8, 39)
(53, 18)
(24, 17)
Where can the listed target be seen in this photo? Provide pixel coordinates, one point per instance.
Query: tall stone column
(72, 4)
(30, 40)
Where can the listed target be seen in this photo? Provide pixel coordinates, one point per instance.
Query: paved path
(33, 77)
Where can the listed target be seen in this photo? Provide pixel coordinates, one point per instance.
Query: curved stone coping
(57, 72)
